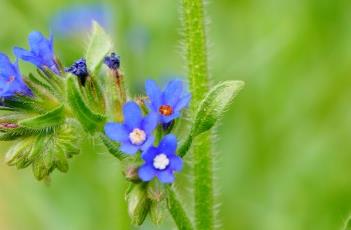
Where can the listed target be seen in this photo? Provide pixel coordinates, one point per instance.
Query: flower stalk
(196, 55)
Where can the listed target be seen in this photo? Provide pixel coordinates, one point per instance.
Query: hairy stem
(196, 54)
(177, 211)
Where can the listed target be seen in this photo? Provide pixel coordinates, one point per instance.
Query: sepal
(90, 120)
(138, 203)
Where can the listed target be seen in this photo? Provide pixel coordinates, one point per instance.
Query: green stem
(177, 211)
(196, 54)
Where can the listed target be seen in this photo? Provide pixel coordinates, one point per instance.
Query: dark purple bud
(113, 61)
(79, 68)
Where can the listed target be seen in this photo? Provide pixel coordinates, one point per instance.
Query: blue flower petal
(132, 115)
(116, 132)
(6, 67)
(129, 148)
(10, 78)
(172, 92)
(149, 123)
(149, 155)
(39, 45)
(167, 119)
(183, 102)
(168, 144)
(154, 93)
(146, 172)
(176, 163)
(28, 56)
(165, 176)
(150, 140)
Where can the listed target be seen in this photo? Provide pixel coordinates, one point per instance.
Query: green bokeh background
(283, 152)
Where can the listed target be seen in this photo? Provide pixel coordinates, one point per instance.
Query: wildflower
(11, 81)
(41, 53)
(75, 21)
(169, 102)
(113, 61)
(136, 131)
(161, 161)
(79, 68)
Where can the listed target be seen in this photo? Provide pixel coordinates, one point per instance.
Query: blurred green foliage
(284, 150)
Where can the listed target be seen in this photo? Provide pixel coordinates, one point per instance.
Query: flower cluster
(137, 132)
(145, 133)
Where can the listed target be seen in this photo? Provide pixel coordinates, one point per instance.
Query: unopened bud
(138, 204)
(131, 173)
(156, 191)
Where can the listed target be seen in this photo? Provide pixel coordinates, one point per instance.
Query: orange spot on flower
(166, 110)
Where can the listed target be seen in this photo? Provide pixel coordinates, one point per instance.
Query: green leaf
(347, 224)
(90, 120)
(112, 147)
(177, 211)
(21, 132)
(18, 152)
(99, 45)
(46, 152)
(212, 108)
(50, 119)
(24, 103)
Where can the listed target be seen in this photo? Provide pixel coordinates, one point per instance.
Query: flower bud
(131, 173)
(156, 191)
(138, 204)
(156, 212)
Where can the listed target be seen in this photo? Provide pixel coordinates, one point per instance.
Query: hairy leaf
(99, 45)
(50, 119)
(90, 120)
(214, 105)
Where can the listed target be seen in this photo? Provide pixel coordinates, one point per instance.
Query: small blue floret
(161, 161)
(135, 133)
(113, 61)
(41, 52)
(79, 68)
(169, 102)
(11, 81)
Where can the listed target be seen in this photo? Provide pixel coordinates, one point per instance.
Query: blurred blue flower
(113, 61)
(79, 68)
(11, 82)
(136, 131)
(169, 102)
(76, 20)
(41, 53)
(161, 161)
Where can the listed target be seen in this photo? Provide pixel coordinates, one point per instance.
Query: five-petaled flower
(161, 161)
(11, 81)
(169, 102)
(113, 61)
(41, 53)
(80, 69)
(135, 133)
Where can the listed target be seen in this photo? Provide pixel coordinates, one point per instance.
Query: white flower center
(161, 161)
(137, 136)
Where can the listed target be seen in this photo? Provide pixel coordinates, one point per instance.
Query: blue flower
(76, 20)
(41, 53)
(11, 82)
(169, 102)
(161, 161)
(79, 68)
(136, 131)
(113, 61)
